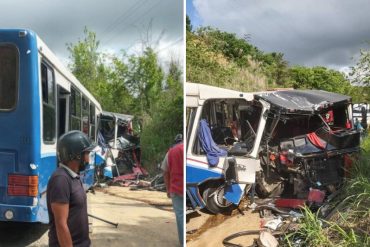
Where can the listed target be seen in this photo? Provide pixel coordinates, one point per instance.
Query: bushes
(159, 133)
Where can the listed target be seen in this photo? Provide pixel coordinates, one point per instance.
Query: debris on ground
(278, 218)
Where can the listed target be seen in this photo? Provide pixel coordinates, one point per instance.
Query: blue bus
(39, 101)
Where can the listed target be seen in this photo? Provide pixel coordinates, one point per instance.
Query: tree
(189, 27)
(276, 68)
(85, 59)
(319, 78)
(136, 85)
(360, 73)
(145, 78)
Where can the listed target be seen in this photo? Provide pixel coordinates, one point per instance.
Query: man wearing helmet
(66, 198)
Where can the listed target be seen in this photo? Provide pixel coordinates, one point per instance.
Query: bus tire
(215, 203)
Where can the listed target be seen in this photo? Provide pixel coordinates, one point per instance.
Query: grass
(350, 226)
(310, 233)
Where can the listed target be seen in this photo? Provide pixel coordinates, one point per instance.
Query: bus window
(85, 115)
(48, 102)
(75, 112)
(8, 76)
(92, 122)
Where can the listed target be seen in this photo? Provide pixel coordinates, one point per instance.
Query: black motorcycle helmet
(72, 144)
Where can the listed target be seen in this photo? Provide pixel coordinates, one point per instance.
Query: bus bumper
(18, 213)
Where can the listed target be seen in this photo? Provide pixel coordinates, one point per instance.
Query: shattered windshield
(232, 123)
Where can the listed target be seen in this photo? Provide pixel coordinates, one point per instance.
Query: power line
(171, 44)
(136, 20)
(124, 17)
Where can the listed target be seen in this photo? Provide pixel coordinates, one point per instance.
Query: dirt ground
(140, 223)
(210, 230)
(155, 198)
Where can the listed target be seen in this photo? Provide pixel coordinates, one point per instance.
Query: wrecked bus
(39, 101)
(122, 147)
(287, 143)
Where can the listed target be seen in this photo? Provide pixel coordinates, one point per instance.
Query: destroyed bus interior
(232, 123)
(306, 145)
(116, 136)
(228, 127)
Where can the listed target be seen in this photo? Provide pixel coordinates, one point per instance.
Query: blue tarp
(213, 152)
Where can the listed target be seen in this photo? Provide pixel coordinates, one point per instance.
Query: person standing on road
(66, 197)
(173, 174)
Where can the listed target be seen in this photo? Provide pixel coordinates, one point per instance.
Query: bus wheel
(215, 201)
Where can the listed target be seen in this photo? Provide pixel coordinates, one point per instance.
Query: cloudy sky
(119, 24)
(308, 32)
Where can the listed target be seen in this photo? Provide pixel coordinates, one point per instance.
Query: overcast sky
(308, 32)
(119, 24)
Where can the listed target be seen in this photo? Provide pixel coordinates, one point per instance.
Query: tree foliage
(319, 78)
(167, 117)
(136, 85)
(144, 79)
(189, 27)
(223, 59)
(361, 71)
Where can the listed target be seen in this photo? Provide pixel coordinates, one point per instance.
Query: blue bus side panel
(8, 159)
(194, 197)
(195, 175)
(21, 213)
(234, 193)
(198, 174)
(87, 177)
(47, 166)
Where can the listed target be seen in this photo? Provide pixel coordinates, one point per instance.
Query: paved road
(139, 225)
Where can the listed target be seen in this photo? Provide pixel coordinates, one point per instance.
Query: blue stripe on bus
(48, 154)
(197, 174)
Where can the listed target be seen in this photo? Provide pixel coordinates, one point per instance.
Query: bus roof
(119, 116)
(195, 92)
(304, 101)
(68, 76)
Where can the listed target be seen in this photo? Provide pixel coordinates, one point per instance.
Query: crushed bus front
(293, 143)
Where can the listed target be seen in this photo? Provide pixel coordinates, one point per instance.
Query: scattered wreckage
(292, 144)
